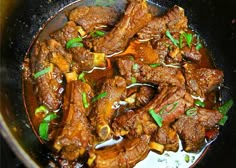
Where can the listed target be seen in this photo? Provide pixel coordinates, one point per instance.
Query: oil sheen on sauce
(179, 159)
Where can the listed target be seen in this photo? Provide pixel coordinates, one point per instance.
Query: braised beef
(135, 17)
(90, 17)
(202, 80)
(145, 73)
(126, 154)
(174, 20)
(49, 87)
(191, 133)
(105, 109)
(168, 137)
(74, 137)
(170, 104)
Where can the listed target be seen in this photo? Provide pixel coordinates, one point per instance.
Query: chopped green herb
(198, 45)
(43, 72)
(166, 106)
(191, 111)
(158, 119)
(226, 106)
(81, 77)
(155, 65)
(100, 96)
(98, 33)
(186, 158)
(223, 120)
(224, 110)
(189, 38)
(75, 42)
(133, 80)
(174, 41)
(41, 108)
(181, 41)
(84, 99)
(135, 66)
(44, 125)
(199, 103)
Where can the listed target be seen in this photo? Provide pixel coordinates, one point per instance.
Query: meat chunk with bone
(51, 58)
(83, 58)
(90, 17)
(135, 17)
(170, 103)
(105, 111)
(146, 74)
(125, 154)
(174, 20)
(73, 139)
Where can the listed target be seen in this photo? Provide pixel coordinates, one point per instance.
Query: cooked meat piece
(74, 137)
(83, 58)
(167, 136)
(139, 96)
(135, 17)
(49, 86)
(125, 154)
(174, 20)
(202, 80)
(58, 56)
(192, 54)
(208, 118)
(90, 17)
(86, 60)
(170, 104)
(144, 95)
(69, 31)
(191, 133)
(145, 73)
(114, 88)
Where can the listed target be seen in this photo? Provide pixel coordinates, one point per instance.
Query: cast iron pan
(213, 20)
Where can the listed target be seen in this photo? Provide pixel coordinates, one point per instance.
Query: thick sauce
(180, 159)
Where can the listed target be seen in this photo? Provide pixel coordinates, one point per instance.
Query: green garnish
(133, 80)
(42, 72)
(181, 41)
(158, 119)
(224, 110)
(186, 158)
(191, 112)
(166, 106)
(41, 108)
(189, 38)
(75, 42)
(174, 41)
(98, 33)
(199, 103)
(155, 65)
(84, 99)
(226, 106)
(198, 45)
(135, 66)
(81, 77)
(100, 96)
(44, 125)
(223, 120)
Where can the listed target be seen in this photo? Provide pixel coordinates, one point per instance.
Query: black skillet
(215, 21)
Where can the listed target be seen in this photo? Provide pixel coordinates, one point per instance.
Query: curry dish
(144, 79)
